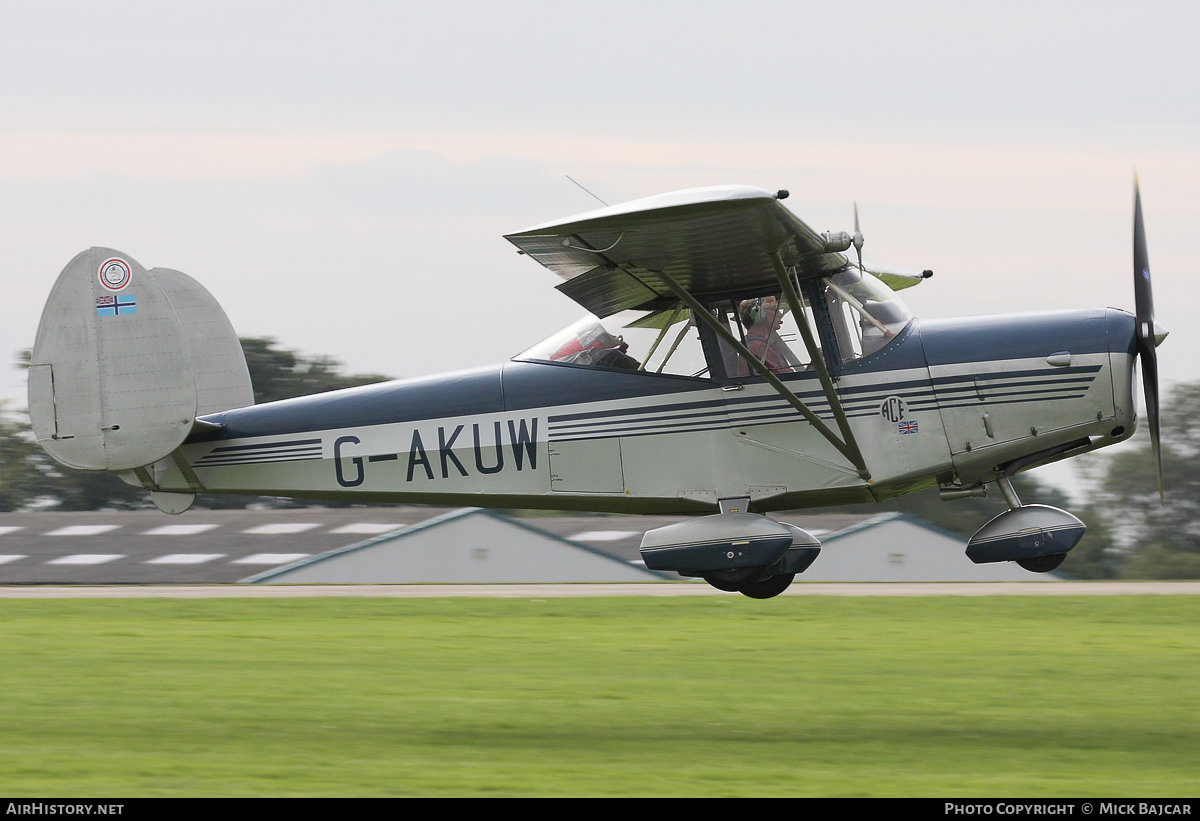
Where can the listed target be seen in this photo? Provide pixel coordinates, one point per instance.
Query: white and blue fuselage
(950, 402)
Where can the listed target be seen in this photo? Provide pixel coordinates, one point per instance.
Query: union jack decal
(907, 427)
(118, 305)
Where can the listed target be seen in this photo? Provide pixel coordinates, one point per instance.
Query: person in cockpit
(762, 318)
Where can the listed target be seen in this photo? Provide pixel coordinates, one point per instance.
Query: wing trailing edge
(710, 241)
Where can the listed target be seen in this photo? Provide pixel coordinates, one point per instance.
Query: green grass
(633, 696)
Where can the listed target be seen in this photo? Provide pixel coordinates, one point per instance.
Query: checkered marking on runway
(604, 535)
(87, 558)
(368, 528)
(282, 528)
(180, 530)
(82, 530)
(185, 558)
(271, 558)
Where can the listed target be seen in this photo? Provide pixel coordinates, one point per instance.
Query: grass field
(633, 696)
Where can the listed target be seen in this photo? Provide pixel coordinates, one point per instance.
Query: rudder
(125, 359)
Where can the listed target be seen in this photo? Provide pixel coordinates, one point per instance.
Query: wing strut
(849, 448)
(814, 355)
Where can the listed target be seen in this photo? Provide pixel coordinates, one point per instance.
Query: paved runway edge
(542, 591)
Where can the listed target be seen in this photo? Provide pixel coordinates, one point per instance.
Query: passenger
(762, 318)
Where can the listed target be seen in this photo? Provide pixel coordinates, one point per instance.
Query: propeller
(1145, 336)
(858, 238)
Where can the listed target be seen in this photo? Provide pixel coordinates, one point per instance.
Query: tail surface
(125, 360)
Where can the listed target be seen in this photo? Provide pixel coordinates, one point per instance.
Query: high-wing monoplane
(733, 362)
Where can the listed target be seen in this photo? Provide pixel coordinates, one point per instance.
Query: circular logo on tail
(115, 273)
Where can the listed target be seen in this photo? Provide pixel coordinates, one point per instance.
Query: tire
(769, 587)
(1042, 564)
(732, 580)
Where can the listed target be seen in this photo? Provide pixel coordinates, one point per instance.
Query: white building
(461, 547)
(894, 548)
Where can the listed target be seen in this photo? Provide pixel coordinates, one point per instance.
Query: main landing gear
(769, 587)
(733, 551)
(749, 582)
(1036, 537)
(1042, 564)
(734, 579)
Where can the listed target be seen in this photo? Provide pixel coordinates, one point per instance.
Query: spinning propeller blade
(1144, 311)
(858, 238)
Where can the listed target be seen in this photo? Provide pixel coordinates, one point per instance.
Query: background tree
(1131, 533)
(1156, 540)
(282, 373)
(964, 516)
(29, 478)
(24, 468)
(1095, 557)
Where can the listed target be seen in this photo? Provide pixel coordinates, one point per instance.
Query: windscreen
(866, 313)
(652, 342)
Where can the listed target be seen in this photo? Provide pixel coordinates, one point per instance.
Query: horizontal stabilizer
(218, 363)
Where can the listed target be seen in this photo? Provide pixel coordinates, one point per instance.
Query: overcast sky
(339, 175)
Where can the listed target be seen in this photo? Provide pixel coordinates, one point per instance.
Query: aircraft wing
(710, 240)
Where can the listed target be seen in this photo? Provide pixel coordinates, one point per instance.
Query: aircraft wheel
(769, 587)
(1042, 564)
(733, 579)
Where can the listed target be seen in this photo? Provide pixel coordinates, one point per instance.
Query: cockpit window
(866, 313)
(767, 327)
(663, 341)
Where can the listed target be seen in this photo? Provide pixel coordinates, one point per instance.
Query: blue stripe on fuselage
(496, 389)
(1013, 336)
(463, 393)
(517, 385)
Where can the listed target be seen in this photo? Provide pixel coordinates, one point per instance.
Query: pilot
(597, 347)
(762, 318)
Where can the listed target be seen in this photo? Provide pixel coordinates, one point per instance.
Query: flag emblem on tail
(908, 427)
(119, 305)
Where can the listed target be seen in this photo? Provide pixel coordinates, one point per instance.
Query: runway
(549, 591)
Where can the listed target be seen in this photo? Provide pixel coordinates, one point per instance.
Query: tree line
(1130, 534)
(29, 479)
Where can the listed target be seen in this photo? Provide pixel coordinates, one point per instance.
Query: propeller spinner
(1145, 336)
